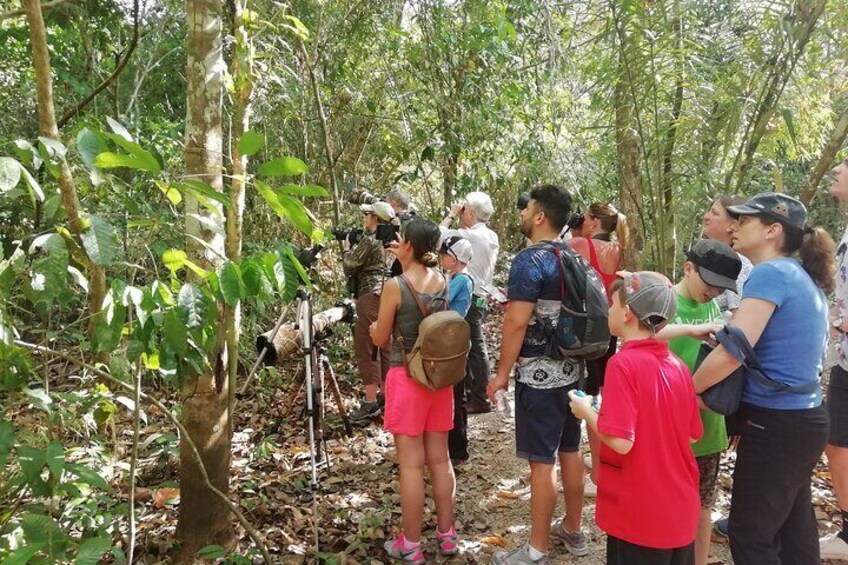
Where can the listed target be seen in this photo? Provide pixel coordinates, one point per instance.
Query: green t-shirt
(714, 439)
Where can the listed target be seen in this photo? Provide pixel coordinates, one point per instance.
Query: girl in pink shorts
(418, 418)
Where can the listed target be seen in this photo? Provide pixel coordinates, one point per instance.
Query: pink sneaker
(394, 547)
(447, 542)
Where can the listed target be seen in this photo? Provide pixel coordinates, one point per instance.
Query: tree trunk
(831, 148)
(204, 519)
(47, 128)
(629, 154)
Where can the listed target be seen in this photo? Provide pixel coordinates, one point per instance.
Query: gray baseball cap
(651, 297)
(718, 264)
(779, 207)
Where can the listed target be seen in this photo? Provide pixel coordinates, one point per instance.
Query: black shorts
(544, 424)
(837, 406)
(596, 368)
(708, 467)
(620, 552)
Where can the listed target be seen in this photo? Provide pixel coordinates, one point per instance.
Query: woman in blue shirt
(783, 314)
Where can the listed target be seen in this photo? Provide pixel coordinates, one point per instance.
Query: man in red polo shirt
(648, 501)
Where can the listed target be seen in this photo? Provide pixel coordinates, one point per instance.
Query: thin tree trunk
(203, 517)
(325, 132)
(831, 148)
(47, 128)
(242, 72)
(629, 153)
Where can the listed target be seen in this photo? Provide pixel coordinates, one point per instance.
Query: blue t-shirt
(535, 277)
(461, 287)
(792, 347)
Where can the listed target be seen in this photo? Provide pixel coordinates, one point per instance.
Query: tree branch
(45, 6)
(251, 531)
(69, 115)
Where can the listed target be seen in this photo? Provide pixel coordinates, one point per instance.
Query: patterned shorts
(708, 466)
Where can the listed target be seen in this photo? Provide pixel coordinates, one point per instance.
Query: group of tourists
(759, 269)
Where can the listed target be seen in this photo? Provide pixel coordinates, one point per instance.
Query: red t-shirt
(649, 497)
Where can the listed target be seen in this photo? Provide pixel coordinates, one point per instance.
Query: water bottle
(502, 405)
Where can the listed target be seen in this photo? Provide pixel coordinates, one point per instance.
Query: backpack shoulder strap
(414, 294)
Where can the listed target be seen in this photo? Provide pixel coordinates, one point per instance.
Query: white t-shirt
(485, 244)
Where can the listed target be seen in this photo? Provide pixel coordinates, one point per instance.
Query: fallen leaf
(163, 496)
(494, 540)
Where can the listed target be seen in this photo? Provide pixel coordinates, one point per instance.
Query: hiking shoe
(520, 556)
(447, 542)
(394, 547)
(722, 527)
(833, 547)
(366, 411)
(590, 489)
(575, 542)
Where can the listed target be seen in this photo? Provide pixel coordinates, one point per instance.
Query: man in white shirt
(473, 213)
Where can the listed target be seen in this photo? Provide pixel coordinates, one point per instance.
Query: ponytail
(430, 259)
(622, 231)
(817, 252)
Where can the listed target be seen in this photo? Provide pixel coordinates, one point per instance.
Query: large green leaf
(193, 305)
(34, 187)
(231, 285)
(301, 271)
(283, 166)
(250, 143)
(306, 190)
(110, 160)
(31, 460)
(55, 457)
(90, 144)
(87, 475)
(39, 528)
(175, 332)
(22, 555)
(297, 214)
(7, 441)
(174, 259)
(119, 129)
(205, 194)
(92, 550)
(270, 196)
(100, 241)
(10, 174)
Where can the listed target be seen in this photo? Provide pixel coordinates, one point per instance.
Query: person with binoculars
(473, 213)
(365, 265)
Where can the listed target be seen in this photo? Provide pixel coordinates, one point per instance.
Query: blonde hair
(612, 221)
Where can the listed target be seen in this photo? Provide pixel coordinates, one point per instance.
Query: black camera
(351, 235)
(523, 200)
(387, 233)
(309, 255)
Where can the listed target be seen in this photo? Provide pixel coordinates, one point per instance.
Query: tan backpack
(438, 357)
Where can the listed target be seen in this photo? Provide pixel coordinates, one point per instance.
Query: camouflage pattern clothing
(366, 262)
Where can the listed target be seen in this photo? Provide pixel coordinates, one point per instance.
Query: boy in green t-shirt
(710, 268)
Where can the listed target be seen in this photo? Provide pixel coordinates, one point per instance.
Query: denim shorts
(544, 424)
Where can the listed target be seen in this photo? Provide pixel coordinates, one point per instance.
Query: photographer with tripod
(365, 268)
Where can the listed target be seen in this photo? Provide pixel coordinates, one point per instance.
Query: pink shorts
(412, 409)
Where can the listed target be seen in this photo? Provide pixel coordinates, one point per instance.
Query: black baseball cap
(779, 207)
(718, 264)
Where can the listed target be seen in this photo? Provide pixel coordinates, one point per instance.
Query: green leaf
(304, 276)
(55, 149)
(174, 260)
(283, 166)
(22, 555)
(297, 214)
(87, 475)
(232, 287)
(193, 306)
(204, 193)
(39, 528)
(789, 118)
(255, 281)
(100, 241)
(10, 174)
(170, 192)
(55, 458)
(175, 332)
(110, 160)
(92, 550)
(31, 461)
(308, 190)
(250, 143)
(119, 129)
(34, 187)
(7, 441)
(270, 197)
(90, 144)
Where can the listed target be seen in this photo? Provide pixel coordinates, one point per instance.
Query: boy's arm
(697, 331)
(582, 408)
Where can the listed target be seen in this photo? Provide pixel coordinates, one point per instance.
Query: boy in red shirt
(648, 501)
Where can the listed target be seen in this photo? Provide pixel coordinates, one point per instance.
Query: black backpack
(582, 330)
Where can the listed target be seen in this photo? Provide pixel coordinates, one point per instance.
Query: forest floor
(358, 502)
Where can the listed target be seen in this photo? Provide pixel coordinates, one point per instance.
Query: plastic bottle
(502, 405)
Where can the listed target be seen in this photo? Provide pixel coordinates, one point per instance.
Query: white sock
(535, 554)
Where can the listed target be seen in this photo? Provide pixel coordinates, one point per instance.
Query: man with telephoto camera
(365, 268)
(473, 213)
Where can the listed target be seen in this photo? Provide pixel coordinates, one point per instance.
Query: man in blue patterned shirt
(545, 428)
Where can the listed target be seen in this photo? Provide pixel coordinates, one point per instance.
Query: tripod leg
(337, 395)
